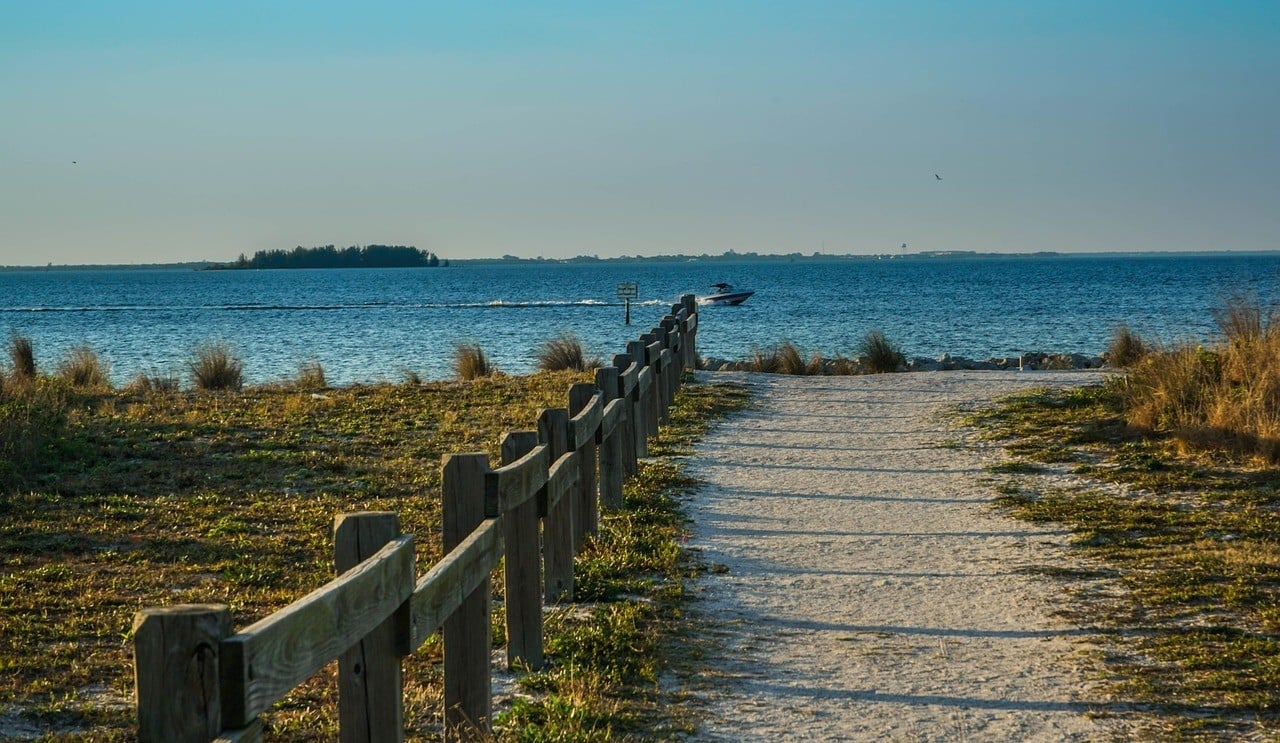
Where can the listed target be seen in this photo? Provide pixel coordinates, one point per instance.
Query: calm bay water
(373, 324)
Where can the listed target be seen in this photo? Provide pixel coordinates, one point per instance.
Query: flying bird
(73, 162)
(935, 175)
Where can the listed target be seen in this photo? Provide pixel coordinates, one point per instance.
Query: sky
(140, 132)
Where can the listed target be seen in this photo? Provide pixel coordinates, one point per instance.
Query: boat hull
(730, 298)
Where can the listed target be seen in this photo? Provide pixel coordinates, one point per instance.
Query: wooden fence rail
(197, 679)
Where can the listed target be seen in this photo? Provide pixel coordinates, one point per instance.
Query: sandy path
(871, 591)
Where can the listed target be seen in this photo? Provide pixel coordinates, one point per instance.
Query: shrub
(470, 361)
(215, 367)
(410, 377)
(22, 356)
(1126, 347)
(83, 369)
(880, 355)
(844, 366)
(564, 352)
(310, 376)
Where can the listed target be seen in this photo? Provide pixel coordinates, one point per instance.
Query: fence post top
(178, 609)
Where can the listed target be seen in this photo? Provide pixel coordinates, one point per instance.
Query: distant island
(327, 256)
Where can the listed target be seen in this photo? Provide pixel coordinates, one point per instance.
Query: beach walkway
(868, 590)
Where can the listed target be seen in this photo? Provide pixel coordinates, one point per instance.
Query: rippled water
(373, 324)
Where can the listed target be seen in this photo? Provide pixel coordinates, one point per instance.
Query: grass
(33, 416)
(1126, 347)
(310, 376)
(788, 358)
(150, 497)
(214, 366)
(602, 679)
(83, 368)
(470, 361)
(880, 355)
(565, 352)
(1188, 564)
(1221, 396)
(22, 358)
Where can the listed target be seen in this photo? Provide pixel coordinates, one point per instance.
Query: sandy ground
(871, 591)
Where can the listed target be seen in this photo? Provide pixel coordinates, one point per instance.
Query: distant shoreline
(730, 257)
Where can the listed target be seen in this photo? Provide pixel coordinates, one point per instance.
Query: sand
(863, 586)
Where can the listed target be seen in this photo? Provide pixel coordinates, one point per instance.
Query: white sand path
(872, 592)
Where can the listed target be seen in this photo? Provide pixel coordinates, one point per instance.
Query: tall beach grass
(214, 366)
(470, 361)
(1221, 395)
(565, 352)
(84, 369)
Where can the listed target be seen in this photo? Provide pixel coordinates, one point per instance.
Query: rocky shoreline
(945, 362)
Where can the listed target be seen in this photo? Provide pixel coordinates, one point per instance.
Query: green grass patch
(1191, 539)
(601, 682)
(146, 497)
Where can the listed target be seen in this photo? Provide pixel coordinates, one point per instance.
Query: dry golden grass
(565, 352)
(84, 369)
(1221, 396)
(470, 361)
(1126, 347)
(310, 376)
(22, 357)
(215, 367)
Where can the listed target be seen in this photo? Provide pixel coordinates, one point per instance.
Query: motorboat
(724, 294)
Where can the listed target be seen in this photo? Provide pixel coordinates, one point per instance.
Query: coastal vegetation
(214, 366)
(882, 355)
(1169, 486)
(149, 496)
(470, 361)
(875, 354)
(327, 256)
(563, 352)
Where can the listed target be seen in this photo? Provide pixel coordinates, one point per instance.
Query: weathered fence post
(467, 690)
(690, 303)
(630, 444)
(176, 671)
(658, 402)
(370, 688)
(587, 518)
(611, 466)
(523, 567)
(557, 524)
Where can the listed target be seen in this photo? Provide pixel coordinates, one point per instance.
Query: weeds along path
(863, 588)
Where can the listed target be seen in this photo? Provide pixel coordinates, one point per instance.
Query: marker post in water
(627, 291)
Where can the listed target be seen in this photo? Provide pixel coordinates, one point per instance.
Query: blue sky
(558, 129)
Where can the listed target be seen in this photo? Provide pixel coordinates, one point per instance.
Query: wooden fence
(198, 679)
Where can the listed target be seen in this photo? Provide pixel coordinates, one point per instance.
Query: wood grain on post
(611, 465)
(176, 672)
(587, 518)
(658, 401)
(263, 662)
(627, 371)
(370, 690)
(467, 690)
(523, 567)
(557, 525)
(642, 404)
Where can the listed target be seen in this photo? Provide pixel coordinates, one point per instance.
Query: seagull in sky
(935, 175)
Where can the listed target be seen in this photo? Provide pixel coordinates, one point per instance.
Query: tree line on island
(327, 256)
